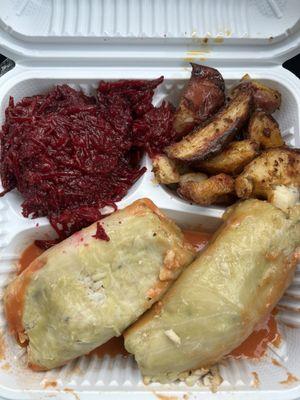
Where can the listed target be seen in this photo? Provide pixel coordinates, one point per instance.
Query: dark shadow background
(292, 65)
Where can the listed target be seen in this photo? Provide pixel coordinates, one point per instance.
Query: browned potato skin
(264, 130)
(264, 98)
(202, 98)
(165, 170)
(192, 176)
(214, 190)
(232, 160)
(279, 166)
(209, 140)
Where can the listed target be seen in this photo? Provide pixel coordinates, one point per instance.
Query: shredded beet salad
(70, 154)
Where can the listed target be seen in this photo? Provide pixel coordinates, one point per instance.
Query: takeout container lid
(82, 41)
(150, 32)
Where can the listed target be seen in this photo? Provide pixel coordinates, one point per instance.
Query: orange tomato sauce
(197, 238)
(256, 345)
(14, 302)
(29, 254)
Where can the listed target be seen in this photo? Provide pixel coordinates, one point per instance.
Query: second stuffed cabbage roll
(83, 291)
(217, 301)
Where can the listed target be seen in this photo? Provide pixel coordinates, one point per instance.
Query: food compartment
(90, 374)
(288, 125)
(170, 89)
(120, 374)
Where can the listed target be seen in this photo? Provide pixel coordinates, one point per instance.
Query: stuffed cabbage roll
(218, 300)
(90, 287)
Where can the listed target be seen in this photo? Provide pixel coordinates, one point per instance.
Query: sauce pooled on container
(256, 345)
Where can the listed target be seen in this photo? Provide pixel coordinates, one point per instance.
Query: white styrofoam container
(80, 42)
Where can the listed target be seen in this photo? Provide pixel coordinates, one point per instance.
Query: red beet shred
(154, 130)
(100, 233)
(70, 154)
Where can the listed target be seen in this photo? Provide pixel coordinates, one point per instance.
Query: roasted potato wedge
(214, 190)
(232, 160)
(192, 177)
(203, 96)
(165, 170)
(279, 166)
(264, 130)
(209, 140)
(264, 97)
